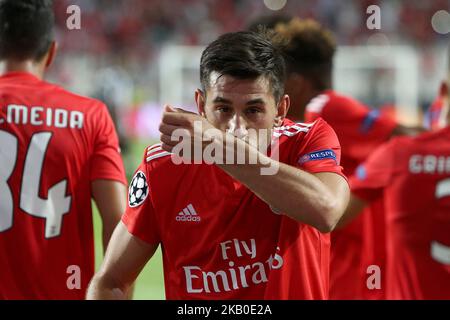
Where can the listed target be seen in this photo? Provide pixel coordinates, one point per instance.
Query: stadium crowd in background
(129, 35)
(138, 28)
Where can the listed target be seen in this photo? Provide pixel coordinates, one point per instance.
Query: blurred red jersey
(413, 176)
(360, 130)
(219, 240)
(53, 144)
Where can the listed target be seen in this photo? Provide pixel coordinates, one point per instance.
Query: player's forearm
(107, 232)
(295, 192)
(101, 288)
(110, 198)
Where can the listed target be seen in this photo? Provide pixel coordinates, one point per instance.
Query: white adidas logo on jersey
(188, 214)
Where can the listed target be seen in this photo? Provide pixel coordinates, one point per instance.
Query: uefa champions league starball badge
(138, 190)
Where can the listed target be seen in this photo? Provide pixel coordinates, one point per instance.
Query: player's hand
(178, 125)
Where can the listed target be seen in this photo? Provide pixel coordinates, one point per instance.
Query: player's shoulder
(303, 133)
(333, 106)
(155, 156)
(320, 125)
(431, 139)
(317, 104)
(397, 148)
(151, 171)
(420, 140)
(74, 99)
(290, 128)
(340, 100)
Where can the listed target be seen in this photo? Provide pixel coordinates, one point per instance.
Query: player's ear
(200, 99)
(283, 108)
(51, 54)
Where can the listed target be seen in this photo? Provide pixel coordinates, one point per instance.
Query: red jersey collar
(19, 75)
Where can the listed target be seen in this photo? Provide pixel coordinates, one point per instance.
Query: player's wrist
(240, 152)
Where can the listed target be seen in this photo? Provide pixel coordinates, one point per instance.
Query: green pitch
(150, 284)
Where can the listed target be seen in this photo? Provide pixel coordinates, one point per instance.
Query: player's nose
(237, 126)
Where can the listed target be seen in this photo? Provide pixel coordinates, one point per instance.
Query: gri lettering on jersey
(40, 116)
(236, 276)
(429, 164)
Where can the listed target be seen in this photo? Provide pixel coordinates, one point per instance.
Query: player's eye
(253, 110)
(223, 109)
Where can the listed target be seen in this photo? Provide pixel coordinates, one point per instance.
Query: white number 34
(51, 209)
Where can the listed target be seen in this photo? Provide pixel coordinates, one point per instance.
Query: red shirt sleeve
(359, 128)
(374, 174)
(140, 217)
(106, 161)
(322, 152)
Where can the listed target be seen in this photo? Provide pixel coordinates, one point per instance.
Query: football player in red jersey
(57, 151)
(309, 50)
(413, 175)
(226, 230)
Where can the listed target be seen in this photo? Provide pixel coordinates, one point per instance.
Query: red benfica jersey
(53, 144)
(219, 240)
(360, 130)
(413, 176)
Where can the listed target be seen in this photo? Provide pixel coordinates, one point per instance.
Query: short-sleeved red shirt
(53, 144)
(413, 176)
(219, 240)
(360, 130)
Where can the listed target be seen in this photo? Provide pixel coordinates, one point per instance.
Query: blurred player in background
(57, 151)
(226, 231)
(413, 176)
(309, 49)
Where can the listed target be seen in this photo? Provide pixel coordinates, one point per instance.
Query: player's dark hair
(267, 22)
(26, 28)
(244, 55)
(308, 49)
